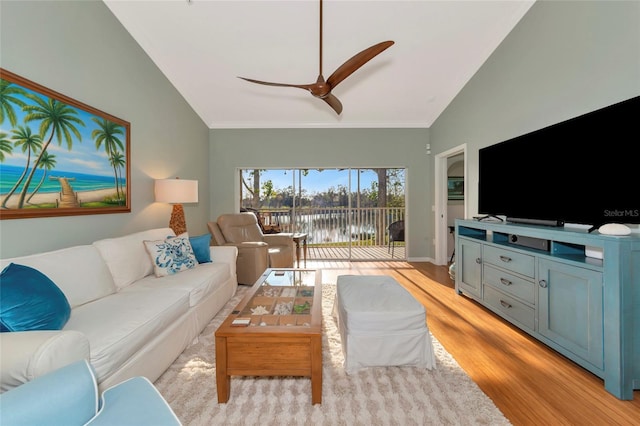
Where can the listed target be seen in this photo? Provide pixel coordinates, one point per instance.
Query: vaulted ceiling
(202, 46)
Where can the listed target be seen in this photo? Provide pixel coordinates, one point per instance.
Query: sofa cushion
(78, 271)
(127, 258)
(119, 325)
(172, 255)
(200, 245)
(197, 282)
(30, 301)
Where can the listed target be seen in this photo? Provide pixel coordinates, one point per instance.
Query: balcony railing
(337, 226)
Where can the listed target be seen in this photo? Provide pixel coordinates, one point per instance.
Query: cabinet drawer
(510, 307)
(509, 283)
(513, 261)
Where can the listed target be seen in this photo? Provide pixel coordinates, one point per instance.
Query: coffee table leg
(316, 370)
(223, 380)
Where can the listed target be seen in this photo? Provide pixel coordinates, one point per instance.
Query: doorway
(443, 163)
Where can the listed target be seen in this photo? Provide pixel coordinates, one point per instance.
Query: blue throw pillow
(200, 247)
(29, 300)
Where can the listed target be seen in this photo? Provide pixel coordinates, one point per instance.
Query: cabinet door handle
(505, 281)
(505, 258)
(478, 260)
(543, 283)
(505, 304)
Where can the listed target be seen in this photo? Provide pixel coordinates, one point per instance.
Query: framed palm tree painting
(58, 156)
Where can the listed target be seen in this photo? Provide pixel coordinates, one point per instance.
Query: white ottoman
(380, 324)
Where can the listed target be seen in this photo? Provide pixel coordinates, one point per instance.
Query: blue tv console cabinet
(586, 308)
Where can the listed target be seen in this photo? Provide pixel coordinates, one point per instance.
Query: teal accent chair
(69, 396)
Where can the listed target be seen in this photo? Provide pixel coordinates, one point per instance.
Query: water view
(9, 175)
(339, 207)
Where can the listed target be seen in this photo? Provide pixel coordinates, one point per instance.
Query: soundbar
(535, 243)
(535, 221)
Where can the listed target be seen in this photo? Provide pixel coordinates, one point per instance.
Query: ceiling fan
(321, 88)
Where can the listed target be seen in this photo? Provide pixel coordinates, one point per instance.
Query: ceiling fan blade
(353, 64)
(322, 89)
(267, 83)
(333, 103)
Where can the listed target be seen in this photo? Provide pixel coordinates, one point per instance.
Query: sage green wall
(78, 48)
(564, 58)
(327, 148)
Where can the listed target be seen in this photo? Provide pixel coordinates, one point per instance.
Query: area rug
(403, 396)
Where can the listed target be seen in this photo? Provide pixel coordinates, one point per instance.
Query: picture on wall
(58, 156)
(455, 188)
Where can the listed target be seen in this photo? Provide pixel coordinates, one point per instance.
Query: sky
(83, 158)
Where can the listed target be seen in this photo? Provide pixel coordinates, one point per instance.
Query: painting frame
(455, 188)
(45, 127)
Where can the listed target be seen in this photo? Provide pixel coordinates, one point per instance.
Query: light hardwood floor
(530, 383)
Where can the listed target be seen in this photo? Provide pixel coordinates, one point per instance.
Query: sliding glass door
(345, 213)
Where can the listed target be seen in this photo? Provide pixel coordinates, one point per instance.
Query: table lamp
(176, 191)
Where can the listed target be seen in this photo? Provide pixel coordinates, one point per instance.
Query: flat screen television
(585, 170)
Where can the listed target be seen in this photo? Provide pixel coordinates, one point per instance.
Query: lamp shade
(176, 191)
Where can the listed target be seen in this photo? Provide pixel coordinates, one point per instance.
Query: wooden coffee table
(284, 334)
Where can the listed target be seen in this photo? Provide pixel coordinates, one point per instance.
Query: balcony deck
(362, 253)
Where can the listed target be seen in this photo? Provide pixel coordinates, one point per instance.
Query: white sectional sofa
(124, 319)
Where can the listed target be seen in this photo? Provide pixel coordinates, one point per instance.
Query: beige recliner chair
(256, 251)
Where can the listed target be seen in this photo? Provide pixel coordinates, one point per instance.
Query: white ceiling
(202, 46)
